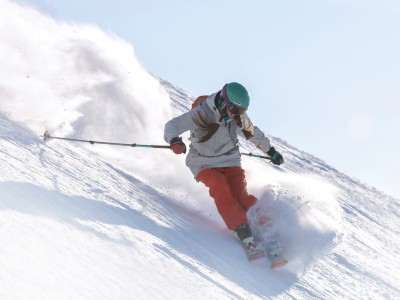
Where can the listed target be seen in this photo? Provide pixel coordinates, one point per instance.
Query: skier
(214, 157)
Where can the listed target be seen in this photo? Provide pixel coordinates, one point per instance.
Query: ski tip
(256, 256)
(279, 262)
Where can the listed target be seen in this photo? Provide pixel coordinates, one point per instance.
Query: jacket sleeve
(260, 140)
(256, 136)
(178, 125)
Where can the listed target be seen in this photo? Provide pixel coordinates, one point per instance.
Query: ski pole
(46, 136)
(255, 155)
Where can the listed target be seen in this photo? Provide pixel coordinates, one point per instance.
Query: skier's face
(230, 115)
(231, 110)
(234, 110)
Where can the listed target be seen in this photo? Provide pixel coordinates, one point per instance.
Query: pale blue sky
(323, 74)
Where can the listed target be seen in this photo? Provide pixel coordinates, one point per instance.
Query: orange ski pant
(228, 187)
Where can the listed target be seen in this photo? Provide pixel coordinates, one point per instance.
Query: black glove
(177, 145)
(276, 157)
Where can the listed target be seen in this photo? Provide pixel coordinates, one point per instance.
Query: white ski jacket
(222, 149)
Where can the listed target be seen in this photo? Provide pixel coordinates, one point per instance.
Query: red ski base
(255, 255)
(279, 262)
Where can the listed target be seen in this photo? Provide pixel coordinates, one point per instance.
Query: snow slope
(96, 222)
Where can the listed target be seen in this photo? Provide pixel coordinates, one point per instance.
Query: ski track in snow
(79, 222)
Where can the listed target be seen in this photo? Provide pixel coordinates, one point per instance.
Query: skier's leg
(238, 186)
(228, 207)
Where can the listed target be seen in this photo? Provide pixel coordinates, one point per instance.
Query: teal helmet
(237, 98)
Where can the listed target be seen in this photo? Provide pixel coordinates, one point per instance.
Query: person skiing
(214, 157)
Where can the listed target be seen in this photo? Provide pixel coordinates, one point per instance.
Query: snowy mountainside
(181, 101)
(74, 225)
(88, 221)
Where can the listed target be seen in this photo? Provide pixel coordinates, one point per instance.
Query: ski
(255, 254)
(274, 253)
(262, 226)
(278, 262)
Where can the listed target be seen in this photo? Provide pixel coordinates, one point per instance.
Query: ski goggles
(234, 110)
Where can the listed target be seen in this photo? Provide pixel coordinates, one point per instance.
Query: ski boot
(253, 251)
(274, 253)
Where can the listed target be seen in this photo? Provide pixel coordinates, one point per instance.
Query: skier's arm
(260, 140)
(176, 126)
(254, 134)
